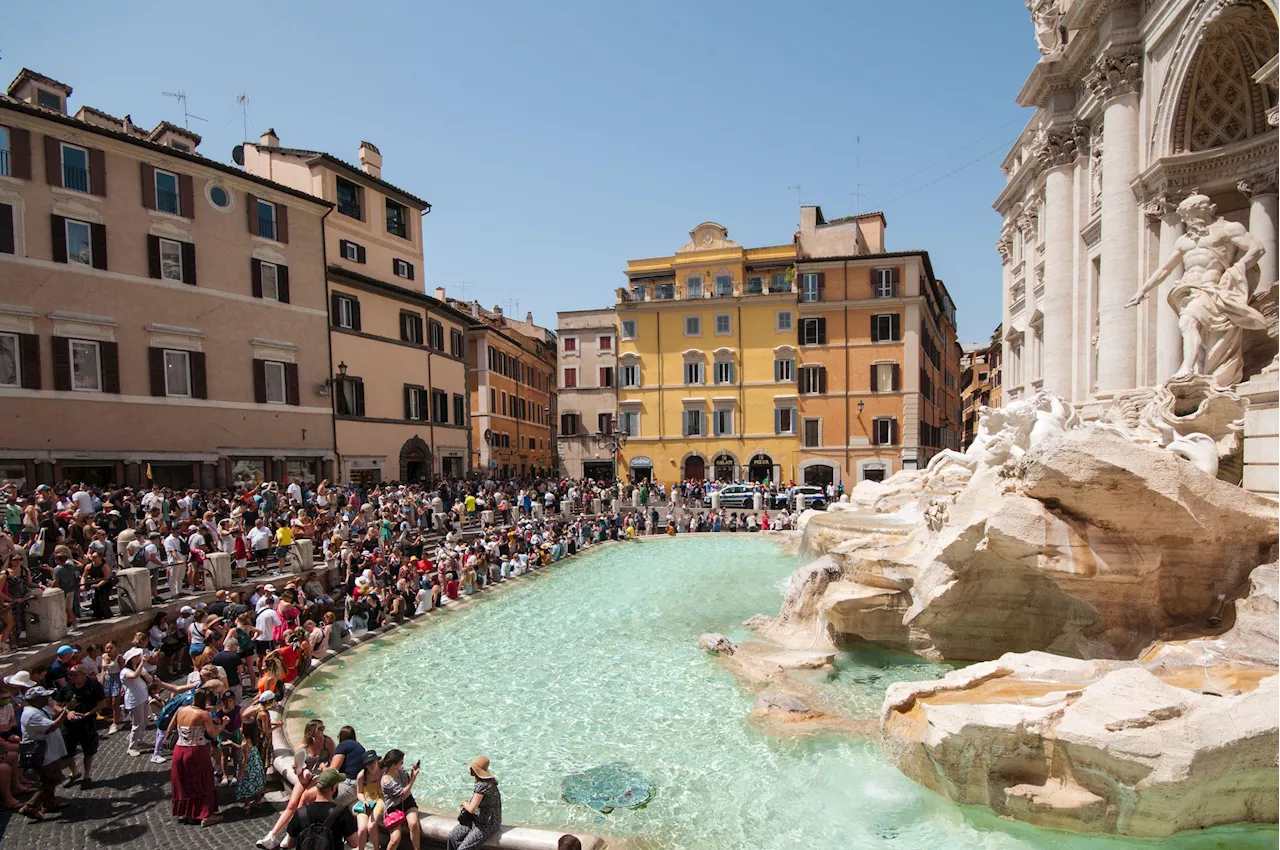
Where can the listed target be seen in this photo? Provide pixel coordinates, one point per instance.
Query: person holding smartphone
(397, 792)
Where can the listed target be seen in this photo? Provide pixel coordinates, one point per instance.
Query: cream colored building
(132, 336)
(398, 360)
(1137, 105)
(588, 398)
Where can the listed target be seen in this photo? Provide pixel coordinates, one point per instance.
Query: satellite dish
(237, 154)
(488, 435)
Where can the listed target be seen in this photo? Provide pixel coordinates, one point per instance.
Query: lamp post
(613, 441)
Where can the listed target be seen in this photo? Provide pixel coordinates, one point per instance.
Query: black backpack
(139, 559)
(318, 835)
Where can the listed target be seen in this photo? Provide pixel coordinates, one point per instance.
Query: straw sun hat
(480, 767)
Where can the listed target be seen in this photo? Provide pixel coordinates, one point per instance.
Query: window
(884, 377)
(605, 343)
(411, 328)
(350, 251)
(167, 193)
(349, 199)
(812, 379)
(693, 287)
(403, 269)
(413, 402)
(48, 99)
(724, 372)
(664, 291)
(693, 423)
(4, 151)
(179, 146)
(604, 423)
(693, 326)
(570, 377)
(784, 420)
(628, 328)
(629, 423)
(177, 373)
(755, 285)
(346, 313)
(266, 219)
(75, 168)
(570, 344)
(638, 293)
(724, 285)
(883, 283)
(459, 410)
(437, 335)
(778, 283)
(784, 320)
(10, 361)
(606, 376)
(275, 375)
(86, 366)
(79, 242)
(693, 373)
(629, 375)
(397, 219)
(455, 342)
(349, 393)
(813, 331)
(271, 282)
(784, 369)
(884, 431)
(171, 260)
(886, 327)
(722, 422)
(219, 197)
(812, 433)
(812, 290)
(724, 325)
(569, 424)
(440, 407)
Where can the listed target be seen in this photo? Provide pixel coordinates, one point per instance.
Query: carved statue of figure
(1003, 433)
(1053, 416)
(1212, 298)
(1046, 17)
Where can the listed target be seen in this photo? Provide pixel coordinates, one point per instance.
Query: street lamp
(613, 441)
(342, 369)
(861, 404)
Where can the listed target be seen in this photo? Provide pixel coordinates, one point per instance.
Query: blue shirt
(352, 753)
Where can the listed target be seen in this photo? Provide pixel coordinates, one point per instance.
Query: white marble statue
(1046, 18)
(1004, 433)
(1212, 298)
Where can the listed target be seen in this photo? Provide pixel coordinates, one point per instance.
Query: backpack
(139, 559)
(183, 546)
(318, 835)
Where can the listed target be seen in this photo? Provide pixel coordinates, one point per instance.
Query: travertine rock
(773, 701)
(717, 644)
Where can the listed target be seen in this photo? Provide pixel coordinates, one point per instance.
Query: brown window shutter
(407, 410)
(822, 331)
(255, 273)
(259, 381)
(155, 360)
(199, 380)
(360, 254)
(875, 388)
(149, 188)
(897, 380)
(20, 153)
(58, 227)
(333, 308)
(6, 229)
(53, 161)
(895, 327)
(355, 314)
(29, 350)
(251, 209)
(97, 172)
(282, 284)
(153, 255)
(282, 223)
(893, 432)
(875, 432)
(188, 263)
(110, 367)
(822, 286)
(291, 394)
(61, 363)
(98, 238)
(410, 265)
(359, 398)
(896, 277)
(186, 197)
(822, 379)
(874, 334)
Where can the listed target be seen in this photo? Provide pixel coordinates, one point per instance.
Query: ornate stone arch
(414, 451)
(1208, 96)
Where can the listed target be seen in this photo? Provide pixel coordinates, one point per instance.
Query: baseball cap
(266, 697)
(370, 756)
(327, 779)
(65, 650)
(37, 691)
(186, 609)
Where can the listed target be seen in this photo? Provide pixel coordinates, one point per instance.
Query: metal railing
(75, 178)
(350, 209)
(167, 201)
(266, 226)
(4, 162)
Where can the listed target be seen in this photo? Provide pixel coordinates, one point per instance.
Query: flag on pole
(148, 472)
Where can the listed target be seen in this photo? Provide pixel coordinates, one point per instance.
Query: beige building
(398, 365)
(588, 397)
(134, 339)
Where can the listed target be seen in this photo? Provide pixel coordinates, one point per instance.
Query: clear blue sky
(557, 140)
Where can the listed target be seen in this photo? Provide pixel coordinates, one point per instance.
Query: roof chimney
(440, 295)
(528, 317)
(269, 138)
(370, 160)
(475, 309)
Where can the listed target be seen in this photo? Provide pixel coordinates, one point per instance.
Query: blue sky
(557, 140)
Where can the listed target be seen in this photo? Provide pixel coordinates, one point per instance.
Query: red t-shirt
(290, 657)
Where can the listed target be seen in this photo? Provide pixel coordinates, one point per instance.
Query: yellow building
(706, 363)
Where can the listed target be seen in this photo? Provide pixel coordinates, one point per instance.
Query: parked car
(733, 496)
(814, 497)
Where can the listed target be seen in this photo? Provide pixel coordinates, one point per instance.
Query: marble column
(1261, 191)
(1168, 337)
(1115, 80)
(1005, 247)
(1057, 151)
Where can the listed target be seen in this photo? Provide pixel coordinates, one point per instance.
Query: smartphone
(417, 764)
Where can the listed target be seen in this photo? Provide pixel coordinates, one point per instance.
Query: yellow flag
(148, 472)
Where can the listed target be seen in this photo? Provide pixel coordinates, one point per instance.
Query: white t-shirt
(135, 691)
(173, 550)
(260, 538)
(295, 492)
(151, 501)
(84, 502)
(266, 623)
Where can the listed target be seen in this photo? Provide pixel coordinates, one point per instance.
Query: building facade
(512, 393)
(823, 360)
(588, 392)
(397, 355)
(134, 344)
(1137, 105)
(979, 384)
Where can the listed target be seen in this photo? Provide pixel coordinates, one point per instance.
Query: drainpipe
(742, 444)
(328, 338)
(661, 393)
(431, 418)
(848, 379)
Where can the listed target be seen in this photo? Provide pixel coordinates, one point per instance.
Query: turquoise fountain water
(597, 662)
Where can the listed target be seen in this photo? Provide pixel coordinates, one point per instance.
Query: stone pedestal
(635, 498)
(50, 608)
(715, 500)
(800, 500)
(437, 505)
(757, 501)
(1262, 434)
(437, 520)
(219, 566)
(134, 590)
(486, 517)
(537, 510)
(596, 504)
(616, 506)
(566, 508)
(305, 551)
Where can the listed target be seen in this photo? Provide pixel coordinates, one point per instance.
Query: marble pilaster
(1057, 152)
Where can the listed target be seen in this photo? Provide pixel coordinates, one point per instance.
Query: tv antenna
(243, 100)
(181, 97)
(796, 189)
(857, 174)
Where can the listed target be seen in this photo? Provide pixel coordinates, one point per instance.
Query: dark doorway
(415, 461)
(99, 475)
(598, 470)
(760, 469)
(695, 469)
(819, 476)
(873, 473)
(724, 465)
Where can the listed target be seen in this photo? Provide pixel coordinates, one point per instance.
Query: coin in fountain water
(607, 787)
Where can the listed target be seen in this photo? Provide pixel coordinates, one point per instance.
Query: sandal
(211, 820)
(31, 813)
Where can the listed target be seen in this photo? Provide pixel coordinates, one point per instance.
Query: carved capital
(1027, 224)
(1004, 245)
(1160, 207)
(1262, 183)
(1117, 72)
(1058, 147)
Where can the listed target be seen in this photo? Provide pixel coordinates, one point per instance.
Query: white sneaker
(114, 728)
(157, 759)
(134, 753)
(269, 842)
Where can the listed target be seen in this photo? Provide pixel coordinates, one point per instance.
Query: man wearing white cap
(41, 733)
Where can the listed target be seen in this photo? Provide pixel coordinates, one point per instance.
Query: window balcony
(167, 201)
(4, 162)
(266, 226)
(664, 292)
(350, 208)
(76, 179)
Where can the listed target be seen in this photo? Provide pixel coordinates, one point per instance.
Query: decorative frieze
(1117, 72)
